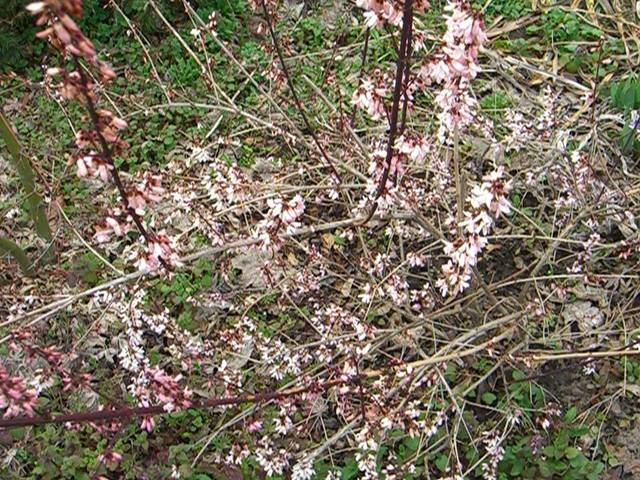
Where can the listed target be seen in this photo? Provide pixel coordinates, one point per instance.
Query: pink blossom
(110, 458)
(15, 397)
(93, 165)
(416, 148)
(455, 65)
(489, 201)
(160, 249)
(36, 7)
(255, 426)
(370, 97)
(148, 424)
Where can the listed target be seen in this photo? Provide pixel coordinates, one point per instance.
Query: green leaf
(629, 95)
(561, 443)
(578, 432)
(571, 453)
(598, 468)
(25, 172)
(571, 415)
(442, 461)
(559, 466)
(545, 469)
(7, 247)
(615, 94)
(489, 398)
(549, 451)
(579, 461)
(350, 469)
(517, 468)
(412, 443)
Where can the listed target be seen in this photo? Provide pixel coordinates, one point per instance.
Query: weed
(495, 103)
(562, 457)
(509, 9)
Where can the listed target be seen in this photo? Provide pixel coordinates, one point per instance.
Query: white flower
(175, 473)
(480, 197)
(35, 7)
(367, 294)
(302, 471)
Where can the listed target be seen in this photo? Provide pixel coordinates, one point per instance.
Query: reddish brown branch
(403, 53)
(132, 412)
(107, 154)
(407, 74)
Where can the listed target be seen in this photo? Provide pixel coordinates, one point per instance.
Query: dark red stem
(131, 412)
(108, 156)
(407, 20)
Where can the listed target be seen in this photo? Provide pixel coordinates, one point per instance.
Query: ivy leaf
(442, 462)
(629, 95)
(489, 398)
(350, 469)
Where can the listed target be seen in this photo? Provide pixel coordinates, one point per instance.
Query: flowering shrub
(328, 279)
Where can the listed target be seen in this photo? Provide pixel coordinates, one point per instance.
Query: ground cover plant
(389, 239)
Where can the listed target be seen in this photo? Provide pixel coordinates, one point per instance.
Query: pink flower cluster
(451, 67)
(98, 145)
(15, 397)
(282, 215)
(227, 185)
(493, 444)
(371, 93)
(110, 458)
(90, 163)
(160, 248)
(380, 12)
(388, 195)
(119, 223)
(455, 65)
(56, 362)
(488, 201)
(380, 420)
(167, 390)
(149, 190)
(63, 33)
(415, 147)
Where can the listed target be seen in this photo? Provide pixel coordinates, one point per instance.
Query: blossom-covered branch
(101, 144)
(488, 202)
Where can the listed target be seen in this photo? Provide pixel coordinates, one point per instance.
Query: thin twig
(132, 412)
(363, 64)
(296, 99)
(128, 412)
(47, 310)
